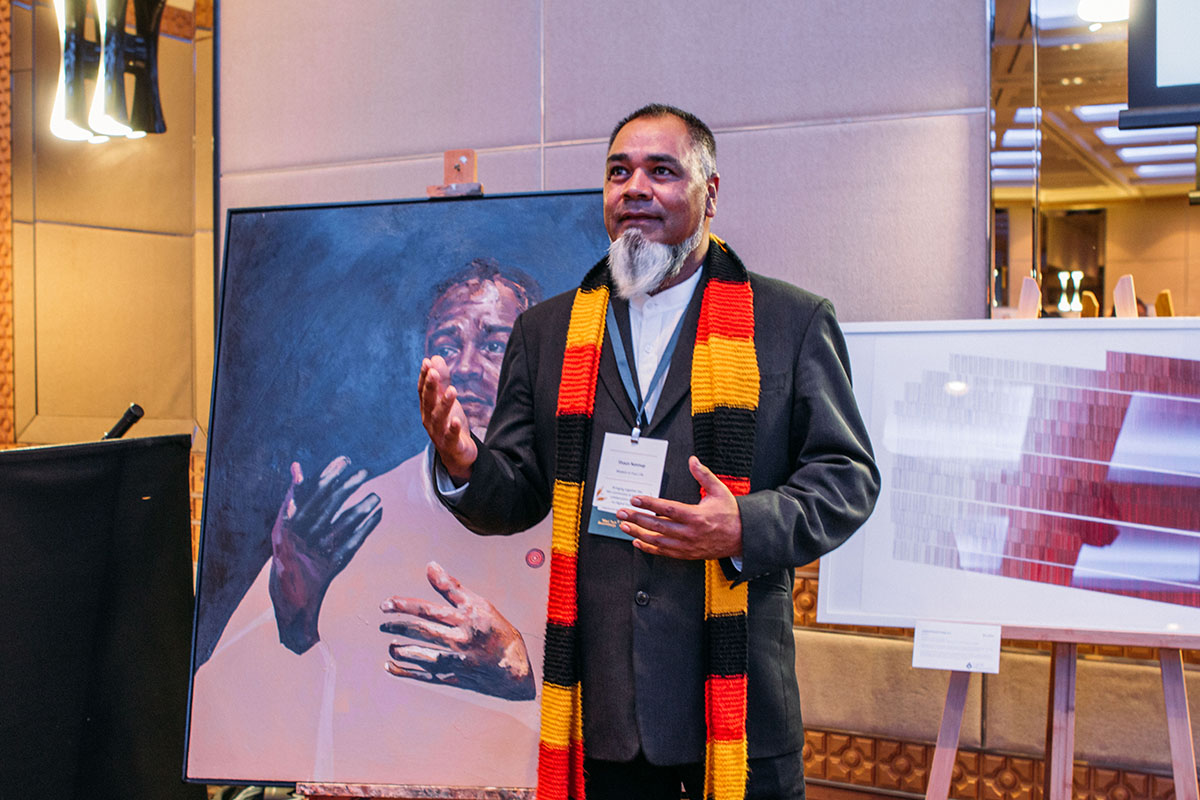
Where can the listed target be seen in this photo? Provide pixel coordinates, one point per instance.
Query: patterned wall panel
(867, 763)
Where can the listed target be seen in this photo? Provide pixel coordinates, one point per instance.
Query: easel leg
(1179, 723)
(1060, 724)
(947, 742)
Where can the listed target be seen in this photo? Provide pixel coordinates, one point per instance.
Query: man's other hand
(310, 545)
(445, 421)
(711, 528)
(470, 644)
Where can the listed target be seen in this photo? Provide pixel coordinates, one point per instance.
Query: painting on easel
(1038, 474)
(348, 629)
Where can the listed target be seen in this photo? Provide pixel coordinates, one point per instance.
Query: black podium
(95, 619)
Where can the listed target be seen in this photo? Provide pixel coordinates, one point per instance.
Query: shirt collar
(670, 299)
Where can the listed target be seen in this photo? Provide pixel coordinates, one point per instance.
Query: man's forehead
(494, 292)
(662, 140)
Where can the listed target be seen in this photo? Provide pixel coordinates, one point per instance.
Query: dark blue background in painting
(320, 341)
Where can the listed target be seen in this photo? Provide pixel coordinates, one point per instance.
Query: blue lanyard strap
(631, 389)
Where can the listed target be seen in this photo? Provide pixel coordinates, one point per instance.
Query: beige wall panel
(375, 79)
(1119, 714)
(1147, 231)
(868, 685)
(114, 323)
(203, 166)
(22, 146)
(204, 325)
(886, 218)
(737, 64)
(143, 184)
(500, 172)
(579, 166)
(24, 319)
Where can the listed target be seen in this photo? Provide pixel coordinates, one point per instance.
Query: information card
(958, 646)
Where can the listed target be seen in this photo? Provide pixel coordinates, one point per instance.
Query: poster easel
(1060, 717)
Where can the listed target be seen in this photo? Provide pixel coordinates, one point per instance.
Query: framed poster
(1041, 473)
(348, 629)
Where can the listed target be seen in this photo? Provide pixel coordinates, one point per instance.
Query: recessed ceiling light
(1015, 158)
(1161, 152)
(1016, 138)
(1111, 134)
(1026, 115)
(1105, 112)
(1095, 26)
(1077, 80)
(1013, 175)
(1183, 170)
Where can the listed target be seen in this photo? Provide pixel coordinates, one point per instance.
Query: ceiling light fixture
(1152, 171)
(104, 62)
(1161, 152)
(1105, 112)
(1112, 135)
(1103, 10)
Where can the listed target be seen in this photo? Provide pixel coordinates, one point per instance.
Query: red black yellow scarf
(724, 395)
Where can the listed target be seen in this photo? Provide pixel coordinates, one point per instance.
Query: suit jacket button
(641, 598)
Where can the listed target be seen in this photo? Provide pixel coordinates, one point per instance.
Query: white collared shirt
(652, 320)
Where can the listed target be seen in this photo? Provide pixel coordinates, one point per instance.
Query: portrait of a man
(377, 632)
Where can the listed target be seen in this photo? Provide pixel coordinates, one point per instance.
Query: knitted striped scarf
(724, 395)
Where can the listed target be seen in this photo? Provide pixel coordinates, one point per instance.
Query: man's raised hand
(445, 421)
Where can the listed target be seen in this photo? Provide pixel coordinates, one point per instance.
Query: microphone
(131, 415)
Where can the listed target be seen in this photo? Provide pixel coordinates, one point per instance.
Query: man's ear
(710, 202)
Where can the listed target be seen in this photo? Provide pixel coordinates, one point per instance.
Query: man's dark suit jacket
(641, 617)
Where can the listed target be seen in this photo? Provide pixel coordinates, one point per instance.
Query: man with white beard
(693, 427)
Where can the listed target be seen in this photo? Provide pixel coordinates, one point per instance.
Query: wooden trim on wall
(7, 404)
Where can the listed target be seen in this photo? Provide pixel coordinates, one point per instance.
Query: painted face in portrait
(469, 326)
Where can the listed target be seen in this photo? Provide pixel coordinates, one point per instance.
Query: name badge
(627, 467)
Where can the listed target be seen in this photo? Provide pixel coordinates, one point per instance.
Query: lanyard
(631, 389)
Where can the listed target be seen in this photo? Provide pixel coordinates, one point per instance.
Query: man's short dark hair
(701, 134)
(480, 270)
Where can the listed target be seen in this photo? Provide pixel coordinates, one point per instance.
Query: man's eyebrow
(445, 330)
(657, 158)
(490, 329)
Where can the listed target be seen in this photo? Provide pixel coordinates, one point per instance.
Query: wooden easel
(1060, 719)
(460, 176)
